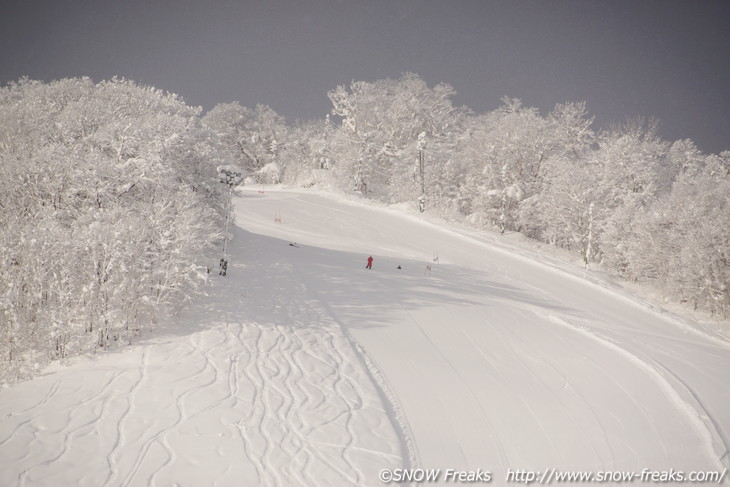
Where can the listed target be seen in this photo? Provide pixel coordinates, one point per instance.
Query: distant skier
(370, 263)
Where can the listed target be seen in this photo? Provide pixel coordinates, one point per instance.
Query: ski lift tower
(231, 176)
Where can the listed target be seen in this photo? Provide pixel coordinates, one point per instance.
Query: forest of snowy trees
(108, 199)
(642, 207)
(109, 194)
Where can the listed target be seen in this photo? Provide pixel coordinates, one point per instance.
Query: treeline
(110, 196)
(109, 199)
(642, 207)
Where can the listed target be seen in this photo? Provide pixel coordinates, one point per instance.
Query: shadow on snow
(271, 282)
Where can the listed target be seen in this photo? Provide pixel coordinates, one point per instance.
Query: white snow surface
(301, 367)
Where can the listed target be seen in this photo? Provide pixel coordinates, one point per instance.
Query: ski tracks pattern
(241, 403)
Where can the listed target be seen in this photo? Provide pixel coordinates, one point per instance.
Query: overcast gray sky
(665, 59)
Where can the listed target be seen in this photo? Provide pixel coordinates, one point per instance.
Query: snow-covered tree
(252, 137)
(631, 157)
(508, 147)
(107, 204)
(377, 139)
(682, 241)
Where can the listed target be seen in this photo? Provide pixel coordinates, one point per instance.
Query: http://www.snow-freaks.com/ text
(548, 476)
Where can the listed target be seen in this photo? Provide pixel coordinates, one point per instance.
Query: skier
(370, 263)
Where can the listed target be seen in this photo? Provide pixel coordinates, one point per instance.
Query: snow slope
(304, 368)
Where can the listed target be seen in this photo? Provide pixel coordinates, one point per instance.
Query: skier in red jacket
(370, 263)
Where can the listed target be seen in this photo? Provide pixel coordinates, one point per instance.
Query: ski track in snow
(527, 294)
(302, 368)
(302, 415)
(701, 420)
